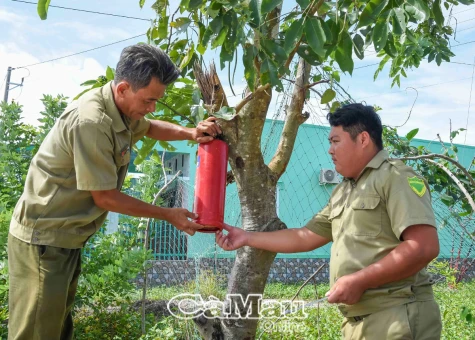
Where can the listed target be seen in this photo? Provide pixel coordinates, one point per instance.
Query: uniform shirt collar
(377, 160)
(112, 111)
(374, 163)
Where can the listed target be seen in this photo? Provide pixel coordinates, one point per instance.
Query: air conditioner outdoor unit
(329, 176)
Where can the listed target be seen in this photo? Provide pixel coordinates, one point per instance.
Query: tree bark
(295, 118)
(256, 184)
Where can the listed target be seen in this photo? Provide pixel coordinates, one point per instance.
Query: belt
(357, 318)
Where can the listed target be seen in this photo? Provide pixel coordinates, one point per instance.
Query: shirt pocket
(335, 219)
(366, 216)
(122, 158)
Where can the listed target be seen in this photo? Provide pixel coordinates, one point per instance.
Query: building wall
(300, 195)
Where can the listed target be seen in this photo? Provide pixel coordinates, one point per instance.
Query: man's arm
(281, 241)
(204, 132)
(420, 246)
(114, 200)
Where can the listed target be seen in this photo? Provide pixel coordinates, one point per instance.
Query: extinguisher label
(198, 162)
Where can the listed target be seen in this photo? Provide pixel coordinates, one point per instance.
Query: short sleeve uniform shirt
(87, 149)
(365, 220)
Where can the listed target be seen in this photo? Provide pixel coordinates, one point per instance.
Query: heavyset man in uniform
(383, 230)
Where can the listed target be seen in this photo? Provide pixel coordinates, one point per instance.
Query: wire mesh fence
(299, 195)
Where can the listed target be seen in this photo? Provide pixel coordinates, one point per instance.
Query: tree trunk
(256, 184)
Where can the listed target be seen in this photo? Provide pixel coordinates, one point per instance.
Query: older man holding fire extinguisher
(74, 181)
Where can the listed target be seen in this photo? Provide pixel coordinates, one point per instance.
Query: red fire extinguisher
(210, 185)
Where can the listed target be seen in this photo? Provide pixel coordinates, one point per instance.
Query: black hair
(139, 63)
(356, 118)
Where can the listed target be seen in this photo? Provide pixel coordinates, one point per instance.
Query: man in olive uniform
(384, 234)
(75, 179)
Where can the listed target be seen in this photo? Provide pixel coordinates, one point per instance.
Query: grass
(322, 323)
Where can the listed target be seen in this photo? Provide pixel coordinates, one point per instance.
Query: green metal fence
(167, 242)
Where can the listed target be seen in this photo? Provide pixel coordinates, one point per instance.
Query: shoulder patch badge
(417, 185)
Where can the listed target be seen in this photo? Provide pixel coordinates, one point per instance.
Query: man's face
(344, 151)
(137, 104)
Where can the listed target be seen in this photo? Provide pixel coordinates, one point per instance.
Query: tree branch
(295, 118)
(311, 12)
(433, 155)
(249, 97)
(176, 112)
(316, 83)
(313, 90)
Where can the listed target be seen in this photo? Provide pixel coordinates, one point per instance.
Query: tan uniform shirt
(87, 149)
(365, 219)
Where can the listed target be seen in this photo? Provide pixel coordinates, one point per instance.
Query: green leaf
(343, 53)
(396, 80)
(162, 29)
(226, 55)
(446, 199)
(109, 73)
(180, 22)
(249, 70)
(335, 75)
(328, 32)
(418, 9)
(167, 146)
(315, 35)
(147, 146)
(196, 97)
(358, 44)
(324, 8)
(309, 55)
(226, 113)
(274, 51)
(188, 57)
(217, 24)
(335, 105)
(198, 113)
(439, 17)
(268, 5)
(204, 42)
(194, 4)
(141, 3)
(269, 74)
(390, 49)
(160, 6)
(380, 35)
(255, 19)
(232, 39)
(43, 8)
(368, 38)
(214, 9)
(219, 40)
(293, 35)
(411, 134)
(398, 21)
(89, 82)
(371, 12)
(438, 59)
(304, 3)
(328, 96)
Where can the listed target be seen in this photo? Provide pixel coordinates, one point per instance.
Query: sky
(444, 94)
